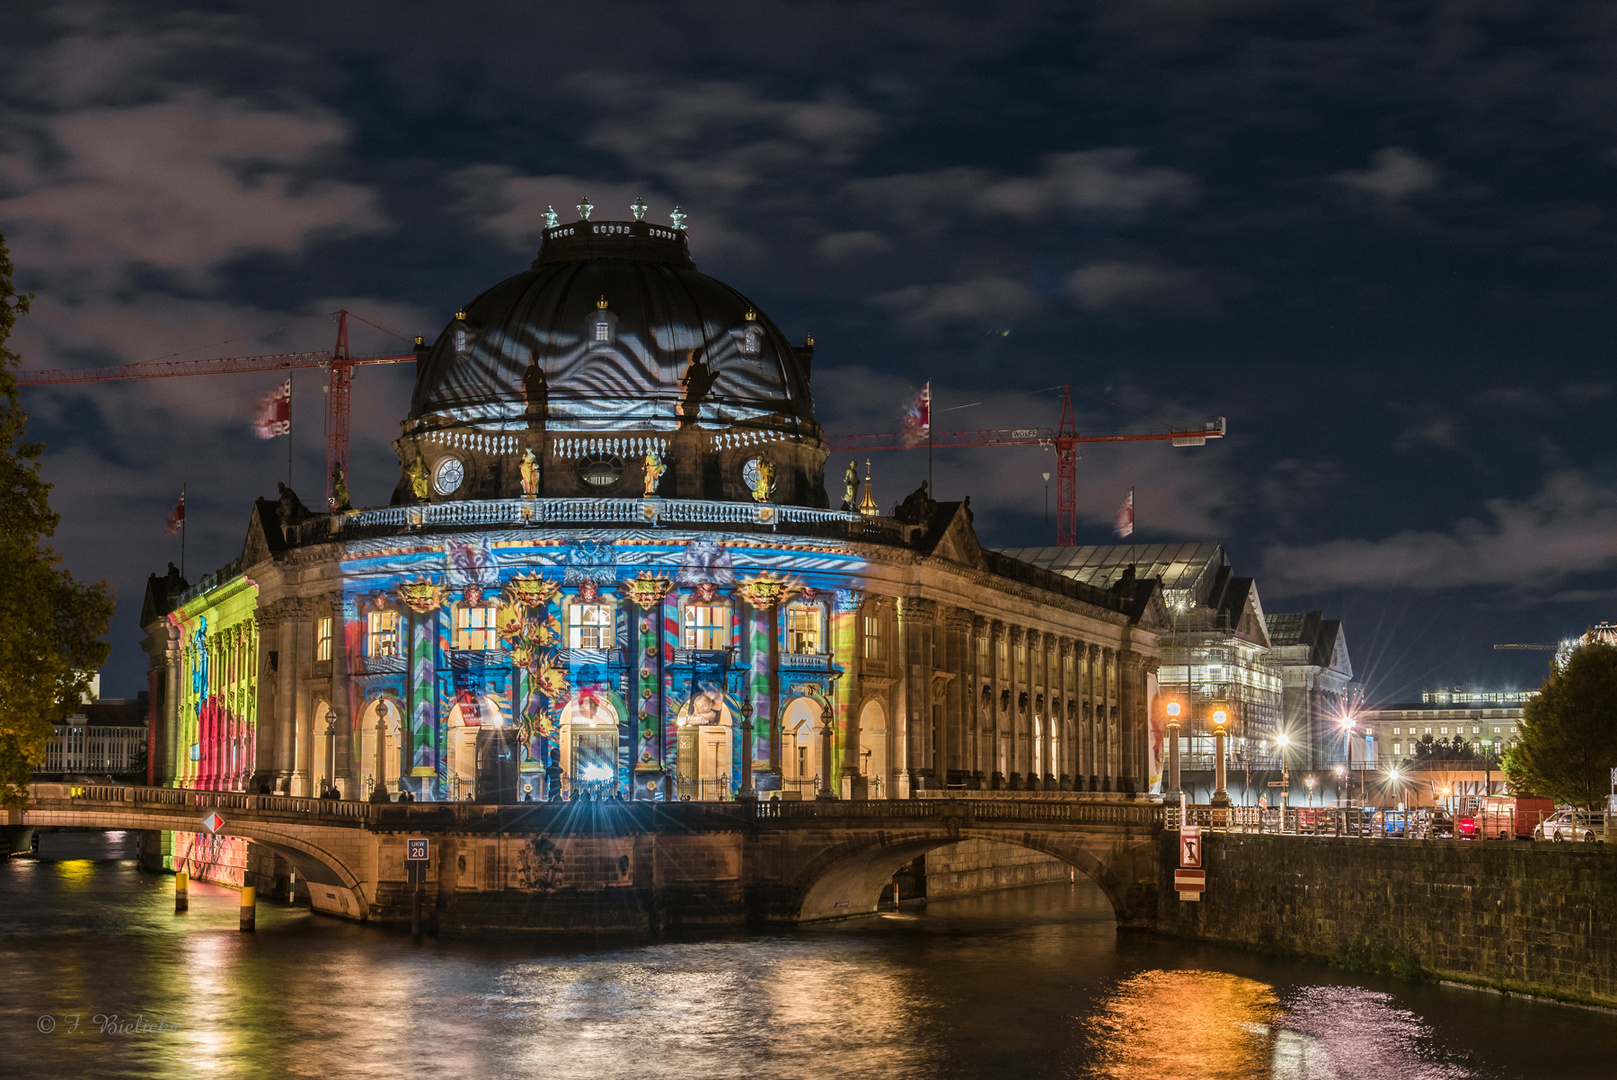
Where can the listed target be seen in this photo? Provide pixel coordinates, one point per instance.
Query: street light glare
(1173, 708)
(1282, 740)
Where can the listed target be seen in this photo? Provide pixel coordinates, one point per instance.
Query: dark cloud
(1378, 237)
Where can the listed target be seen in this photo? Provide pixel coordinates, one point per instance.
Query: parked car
(1431, 823)
(1391, 822)
(1586, 825)
(1466, 828)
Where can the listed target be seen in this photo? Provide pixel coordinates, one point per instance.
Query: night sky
(1378, 237)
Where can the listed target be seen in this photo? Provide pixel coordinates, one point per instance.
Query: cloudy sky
(1378, 237)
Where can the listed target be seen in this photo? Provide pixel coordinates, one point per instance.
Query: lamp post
(1173, 709)
(826, 735)
(746, 791)
(1487, 766)
(1282, 741)
(1220, 796)
(331, 748)
(1347, 741)
(1308, 782)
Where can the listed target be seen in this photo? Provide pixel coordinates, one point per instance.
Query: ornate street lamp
(745, 709)
(1220, 718)
(331, 748)
(826, 735)
(1282, 741)
(1173, 709)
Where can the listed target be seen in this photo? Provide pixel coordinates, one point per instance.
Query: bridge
(636, 866)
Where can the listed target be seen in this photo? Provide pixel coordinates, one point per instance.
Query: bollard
(249, 909)
(182, 892)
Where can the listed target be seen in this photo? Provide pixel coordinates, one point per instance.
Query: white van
(1586, 825)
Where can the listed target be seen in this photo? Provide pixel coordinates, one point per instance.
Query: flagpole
(182, 529)
(931, 486)
(289, 430)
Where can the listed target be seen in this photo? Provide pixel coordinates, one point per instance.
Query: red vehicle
(1503, 817)
(1465, 827)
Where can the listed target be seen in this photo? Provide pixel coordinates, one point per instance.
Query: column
(951, 730)
(997, 778)
(295, 664)
(1131, 695)
(976, 715)
(848, 616)
(916, 617)
(348, 767)
(1066, 770)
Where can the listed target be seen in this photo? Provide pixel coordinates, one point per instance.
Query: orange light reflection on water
(1204, 1024)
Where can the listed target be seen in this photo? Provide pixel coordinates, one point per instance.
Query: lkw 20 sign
(1189, 879)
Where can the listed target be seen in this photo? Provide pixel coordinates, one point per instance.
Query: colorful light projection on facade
(599, 648)
(218, 693)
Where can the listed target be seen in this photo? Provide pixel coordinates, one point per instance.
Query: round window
(447, 477)
(602, 470)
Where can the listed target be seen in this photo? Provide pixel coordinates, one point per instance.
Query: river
(1030, 982)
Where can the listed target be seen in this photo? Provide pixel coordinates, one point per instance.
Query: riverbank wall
(1536, 919)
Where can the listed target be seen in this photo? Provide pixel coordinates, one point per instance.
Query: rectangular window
(873, 637)
(322, 638)
(382, 633)
(1476, 730)
(707, 626)
(474, 627)
(1496, 731)
(1428, 731)
(589, 626)
(1445, 731)
(603, 331)
(1397, 731)
(1397, 748)
(1002, 650)
(804, 628)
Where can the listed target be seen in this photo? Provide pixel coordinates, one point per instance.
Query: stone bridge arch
(846, 878)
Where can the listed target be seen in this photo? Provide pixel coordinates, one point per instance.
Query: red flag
(918, 418)
(1125, 516)
(176, 517)
(274, 414)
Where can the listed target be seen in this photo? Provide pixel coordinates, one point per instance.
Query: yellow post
(249, 908)
(182, 892)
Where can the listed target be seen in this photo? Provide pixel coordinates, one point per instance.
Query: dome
(614, 314)
(558, 381)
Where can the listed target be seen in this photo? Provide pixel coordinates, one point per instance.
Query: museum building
(611, 565)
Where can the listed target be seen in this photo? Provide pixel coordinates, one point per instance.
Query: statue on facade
(420, 485)
(654, 472)
(697, 380)
(536, 394)
(765, 481)
(530, 474)
(850, 486)
(918, 507)
(339, 490)
(292, 509)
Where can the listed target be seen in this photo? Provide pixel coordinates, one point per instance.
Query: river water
(1031, 982)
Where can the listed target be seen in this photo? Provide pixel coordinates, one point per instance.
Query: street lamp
(745, 709)
(1173, 710)
(1308, 781)
(1347, 740)
(826, 734)
(331, 748)
(1220, 796)
(1487, 766)
(1282, 741)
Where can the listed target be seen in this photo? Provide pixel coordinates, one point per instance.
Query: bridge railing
(1293, 821)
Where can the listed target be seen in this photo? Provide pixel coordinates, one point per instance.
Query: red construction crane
(338, 361)
(1064, 440)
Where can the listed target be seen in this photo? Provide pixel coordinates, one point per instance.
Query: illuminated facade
(610, 560)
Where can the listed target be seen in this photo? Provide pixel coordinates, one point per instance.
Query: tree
(1568, 743)
(50, 625)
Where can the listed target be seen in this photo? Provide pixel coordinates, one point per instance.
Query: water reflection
(1033, 983)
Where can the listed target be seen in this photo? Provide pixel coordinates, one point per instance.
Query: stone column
(997, 778)
(848, 608)
(348, 768)
(1015, 773)
(295, 664)
(1038, 748)
(1131, 693)
(951, 735)
(976, 715)
(916, 619)
(1065, 768)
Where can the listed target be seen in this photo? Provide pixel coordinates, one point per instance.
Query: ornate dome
(610, 345)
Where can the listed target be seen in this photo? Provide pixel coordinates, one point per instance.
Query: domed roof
(626, 334)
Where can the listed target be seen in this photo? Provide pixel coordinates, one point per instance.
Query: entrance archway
(800, 749)
(460, 741)
(873, 749)
(705, 748)
(589, 744)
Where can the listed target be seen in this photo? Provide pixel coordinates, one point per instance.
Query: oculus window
(447, 477)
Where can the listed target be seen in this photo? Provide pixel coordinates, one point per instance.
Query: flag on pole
(1125, 516)
(274, 414)
(918, 418)
(176, 517)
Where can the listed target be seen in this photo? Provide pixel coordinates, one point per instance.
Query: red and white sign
(1190, 884)
(1190, 845)
(274, 415)
(213, 822)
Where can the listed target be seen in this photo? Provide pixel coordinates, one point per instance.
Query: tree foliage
(1568, 744)
(50, 625)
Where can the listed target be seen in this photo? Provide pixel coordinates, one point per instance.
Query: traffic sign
(1190, 884)
(213, 822)
(415, 850)
(1190, 845)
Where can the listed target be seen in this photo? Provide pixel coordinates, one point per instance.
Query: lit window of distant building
(1397, 748)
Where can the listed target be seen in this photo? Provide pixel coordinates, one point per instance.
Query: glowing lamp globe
(1173, 708)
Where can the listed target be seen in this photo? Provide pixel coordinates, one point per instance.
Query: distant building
(1392, 730)
(107, 737)
(1312, 654)
(1218, 652)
